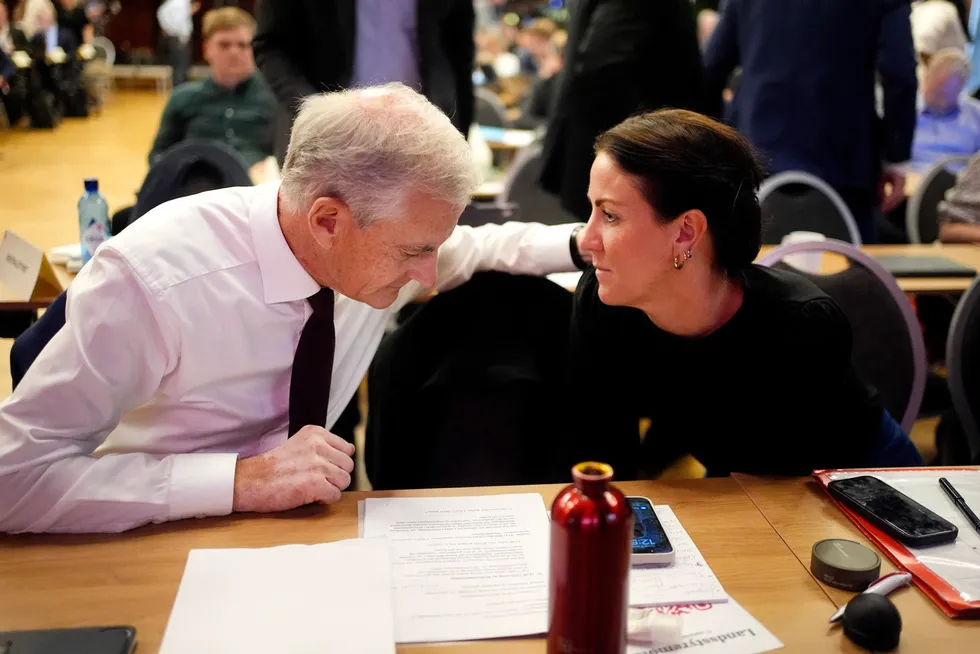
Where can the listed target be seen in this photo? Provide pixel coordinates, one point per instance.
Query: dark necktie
(309, 386)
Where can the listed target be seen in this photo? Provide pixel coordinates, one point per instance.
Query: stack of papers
(465, 568)
(468, 568)
(331, 598)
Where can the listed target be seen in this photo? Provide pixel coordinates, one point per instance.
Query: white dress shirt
(176, 358)
(175, 19)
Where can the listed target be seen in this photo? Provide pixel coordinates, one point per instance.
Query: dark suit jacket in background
(7, 69)
(307, 46)
(806, 95)
(622, 57)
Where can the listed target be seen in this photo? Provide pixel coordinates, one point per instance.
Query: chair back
(522, 187)
(963, 366)
(922, 211)
(490, 111)
(187, 168)
(795, 201)
(889, 352)
(104, 50)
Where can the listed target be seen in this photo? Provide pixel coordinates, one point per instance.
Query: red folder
(947, 597)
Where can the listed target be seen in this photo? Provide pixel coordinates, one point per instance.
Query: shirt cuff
(202, 485)
(551, 250)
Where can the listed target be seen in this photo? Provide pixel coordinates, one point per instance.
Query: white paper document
(714, 629)
(957, 562)
(333, 598)
(688, 580)
(465, 568)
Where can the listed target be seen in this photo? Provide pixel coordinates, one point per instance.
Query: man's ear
(329, 219)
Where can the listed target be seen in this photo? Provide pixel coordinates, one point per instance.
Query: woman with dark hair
(746, 368)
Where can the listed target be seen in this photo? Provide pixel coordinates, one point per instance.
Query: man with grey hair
(193, 374)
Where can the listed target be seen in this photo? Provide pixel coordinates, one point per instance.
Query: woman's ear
(691, 227)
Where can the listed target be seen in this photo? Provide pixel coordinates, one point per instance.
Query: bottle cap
(844, 564)
(91, 185)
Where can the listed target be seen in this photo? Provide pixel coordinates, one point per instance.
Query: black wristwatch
(573, 249)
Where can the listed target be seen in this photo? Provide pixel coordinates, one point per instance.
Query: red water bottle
(591, 544)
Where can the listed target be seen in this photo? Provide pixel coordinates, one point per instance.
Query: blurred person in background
(806, 95)
(176, 19)
(12, 95)
(11, 38)
(959, 213)
(949, 121)
(534, 41)
(77, 17)
(304, 47)
(492, 56)
(537, 103)
(622, 57)
(936, 26)
(234, 104)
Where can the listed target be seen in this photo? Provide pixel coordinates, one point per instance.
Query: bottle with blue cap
(93, 219)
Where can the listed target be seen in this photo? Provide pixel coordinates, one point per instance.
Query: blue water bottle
(93, 219)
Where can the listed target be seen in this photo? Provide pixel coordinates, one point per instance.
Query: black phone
(80, 640)
(650, 542)
(892, 511)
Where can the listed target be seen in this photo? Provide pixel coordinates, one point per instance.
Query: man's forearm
(959, 233)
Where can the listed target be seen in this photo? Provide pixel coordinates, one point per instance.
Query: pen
(960, 503)
(881, 586)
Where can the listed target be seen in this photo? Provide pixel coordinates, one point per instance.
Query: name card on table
(25, 273)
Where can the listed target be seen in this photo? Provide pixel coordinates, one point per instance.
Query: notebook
(900, 265)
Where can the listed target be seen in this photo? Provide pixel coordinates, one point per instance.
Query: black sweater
(773, 391)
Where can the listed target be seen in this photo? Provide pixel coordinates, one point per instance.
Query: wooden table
(802, 514)
(966, 254)
(132, 578)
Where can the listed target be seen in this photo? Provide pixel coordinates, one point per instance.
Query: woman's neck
(696, 306)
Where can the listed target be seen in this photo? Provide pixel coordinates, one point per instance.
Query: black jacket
(622, 57)
(466, 392)
(307, 46)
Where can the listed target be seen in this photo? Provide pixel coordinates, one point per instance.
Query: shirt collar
(283, 277)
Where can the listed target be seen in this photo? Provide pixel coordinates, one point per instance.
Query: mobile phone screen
(648, 534)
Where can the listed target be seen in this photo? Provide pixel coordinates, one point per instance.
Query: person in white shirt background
(166, 395)
(176, 18)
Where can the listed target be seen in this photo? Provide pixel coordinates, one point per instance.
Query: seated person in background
(936, 26)
(534, 41)
(537, 104)
(234, 104)
(171, 390)
(746, 368)
(492, 57)
(11, 38)
(949, 121)
(61, 78)
(74, 16)
(959, 213)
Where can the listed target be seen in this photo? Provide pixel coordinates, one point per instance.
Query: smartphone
(81, 640)
(650, 542)
(895, 513)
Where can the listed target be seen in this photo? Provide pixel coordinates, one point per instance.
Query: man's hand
(891, 189)
(312, 466)
(4, 87)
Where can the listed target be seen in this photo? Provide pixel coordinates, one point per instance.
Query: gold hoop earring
(678, 264)
(689, 255)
